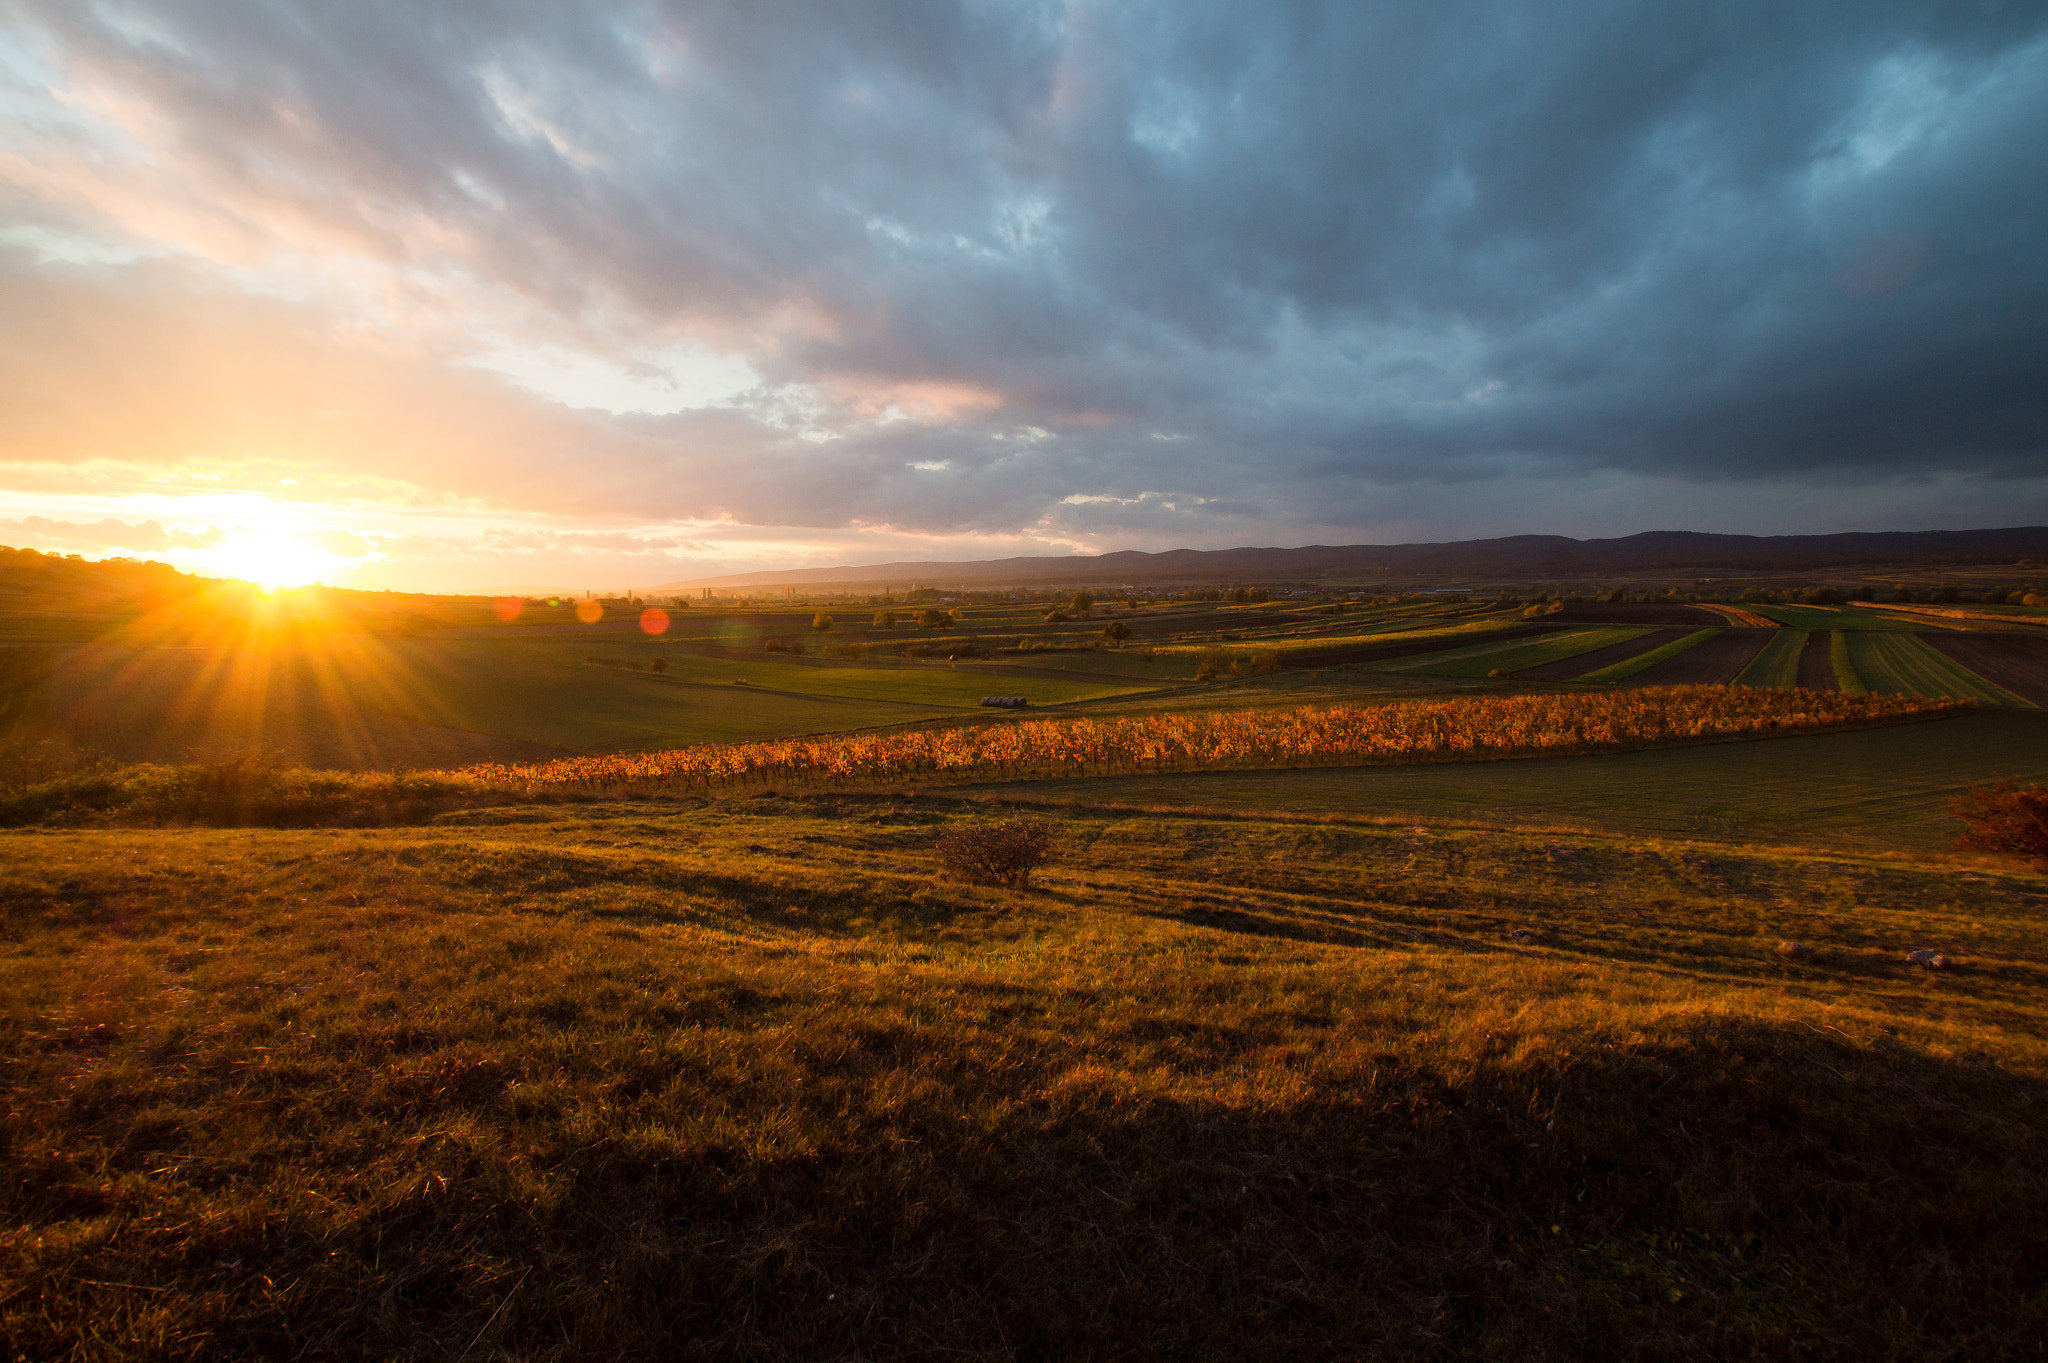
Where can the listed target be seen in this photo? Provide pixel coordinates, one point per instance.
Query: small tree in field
(1082, 603)
(933, 619)
(821, 621)
(1004, 853)
(885, 619)
(2004, 818)
(1116, 631)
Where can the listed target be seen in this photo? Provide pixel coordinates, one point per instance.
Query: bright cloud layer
(611, 295)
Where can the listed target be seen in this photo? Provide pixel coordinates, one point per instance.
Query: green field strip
(1903, 664)
(1643, 662)
(1514, 655)
(1846, 676)
(1777, 666)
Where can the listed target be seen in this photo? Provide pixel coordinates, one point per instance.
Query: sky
(530, 296)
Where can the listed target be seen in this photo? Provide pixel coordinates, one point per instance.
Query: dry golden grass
(744, 1079)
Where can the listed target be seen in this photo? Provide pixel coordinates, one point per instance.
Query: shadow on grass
(899, 1192)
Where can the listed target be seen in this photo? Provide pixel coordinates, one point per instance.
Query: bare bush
(1001, 853)
(2004, 818)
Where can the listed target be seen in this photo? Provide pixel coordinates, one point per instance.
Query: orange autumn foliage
(1469, 728)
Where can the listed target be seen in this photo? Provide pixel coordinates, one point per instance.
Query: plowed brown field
(1564, 669)
(1816, 664)
(1713, 662)
(2017, 662)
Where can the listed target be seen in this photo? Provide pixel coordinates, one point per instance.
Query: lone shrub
(2004, 818)
(1002, 853)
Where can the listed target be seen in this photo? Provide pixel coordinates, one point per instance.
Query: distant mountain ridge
(1515, 556)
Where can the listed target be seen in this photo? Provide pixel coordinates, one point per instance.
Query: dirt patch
(1717, 661)
(1817, 663)
(1564, 669)
(2017, 662)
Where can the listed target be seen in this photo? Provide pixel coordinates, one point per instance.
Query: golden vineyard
(1308, 736)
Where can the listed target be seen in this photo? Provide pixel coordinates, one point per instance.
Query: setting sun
(272, 559)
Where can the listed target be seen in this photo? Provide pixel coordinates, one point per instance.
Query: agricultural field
(1742, 617)
(1647, 653)
(1715, 660)
(1818, 665)
(1905, 665)
(366, 702)
(2016, 664)
(1349, 641)
(1778, 663)
(909, 682)
(355, 704)
(1835, 617)
(1870, 790)
(1517, 656)
(2025, 619)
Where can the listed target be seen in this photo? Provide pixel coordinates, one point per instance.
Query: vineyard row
(1309, 736)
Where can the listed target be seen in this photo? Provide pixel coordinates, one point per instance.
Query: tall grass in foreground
(1416, 731)
(746, 1080)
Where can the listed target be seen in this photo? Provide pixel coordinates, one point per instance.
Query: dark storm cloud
(1231, 262)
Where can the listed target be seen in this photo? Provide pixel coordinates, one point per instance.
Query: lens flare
(654, 620)
(508, 608)
(589, 612)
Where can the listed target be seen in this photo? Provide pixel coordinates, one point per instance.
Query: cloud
(104, 537)
(1250, 274)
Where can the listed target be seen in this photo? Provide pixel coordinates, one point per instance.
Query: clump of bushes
(2007, 818)
(1220, 662)
(1005, 852)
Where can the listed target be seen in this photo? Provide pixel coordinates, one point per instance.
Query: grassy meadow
(750, 1078)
